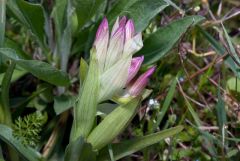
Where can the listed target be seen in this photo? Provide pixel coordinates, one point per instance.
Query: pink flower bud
(119, 24)
(138, 86)
(101, 42)
(102, 30)
(130, 30)
(115, 47)
(134, 68)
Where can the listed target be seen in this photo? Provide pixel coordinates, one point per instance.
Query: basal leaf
(31, 15)
(142, 11)
(39, 69)
(86, 9)
(126, 148)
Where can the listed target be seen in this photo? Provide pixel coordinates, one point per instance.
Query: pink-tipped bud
(120, 23)
(101, 42)
(102, 29)
(138, 86)
(134, 68)
(130, 29)
(115, 48)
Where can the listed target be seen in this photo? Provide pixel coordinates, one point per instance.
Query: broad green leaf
(126, 148)
(119, 6)
(142, 11)
(79, 150)
(113, 124)
(174, 6)
(220, 50)
(39, 69)
(86, 9)
(162, 41)
(31, 15)
(86, 108)
(9, 43)
(63, 103)
(26, 152)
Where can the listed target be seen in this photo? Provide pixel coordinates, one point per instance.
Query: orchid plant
(111, 74)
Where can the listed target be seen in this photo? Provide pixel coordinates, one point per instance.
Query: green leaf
(230, 44)
(167, 102)
(17, 74)
(220, 50)
(79, 150)
(142, 11)
(221, 116)
(26, 152)
(193, 112)
(58, 15)
(162, 41)
(119, 6)
(86, 108)
(221, 113)
(86, 9)
(6, 82)
(126, 148)
(2, 21)
(233, 86)
(39, 69)
(2, 27)
(83, 70)
(31, 15)
(113, 124)
(63, 103)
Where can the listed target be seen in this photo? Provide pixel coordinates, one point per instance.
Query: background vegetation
(195, 45)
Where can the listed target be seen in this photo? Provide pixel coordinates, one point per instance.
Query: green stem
(6, 107)
(5, 93)
(2, 21)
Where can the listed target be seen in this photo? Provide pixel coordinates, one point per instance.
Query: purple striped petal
(134, 68)
(115, 48)
(101, 43)
(138, 86)
(130, 29)
(119, 24)
(102, 29)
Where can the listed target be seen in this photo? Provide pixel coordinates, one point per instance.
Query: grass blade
(167, 102)
(128, 147)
